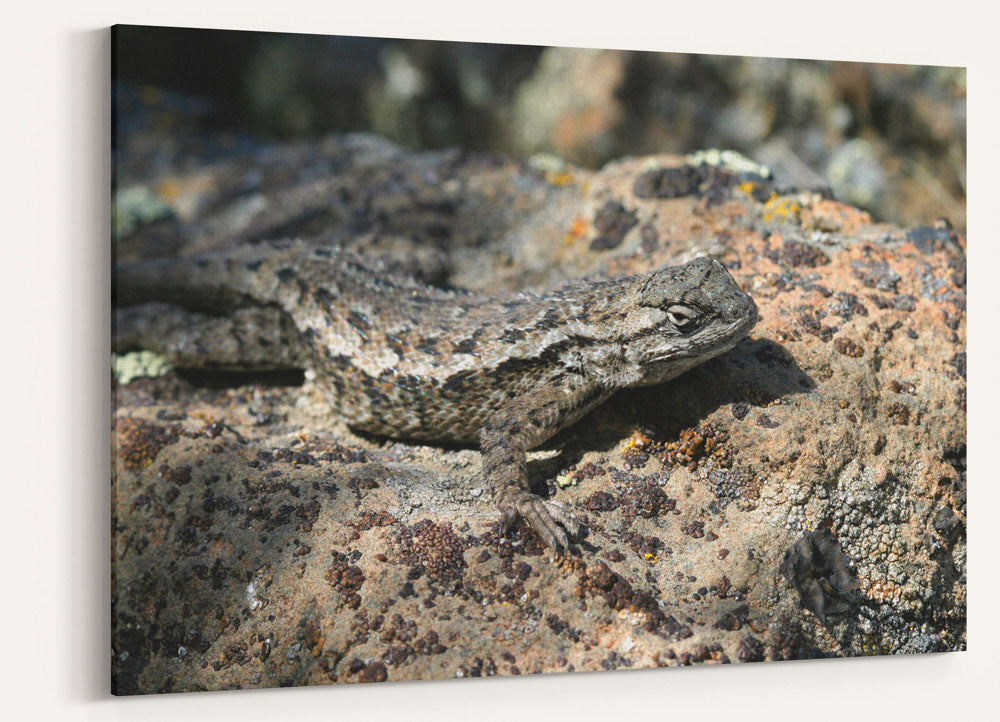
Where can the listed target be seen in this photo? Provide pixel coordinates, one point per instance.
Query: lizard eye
(684, 318)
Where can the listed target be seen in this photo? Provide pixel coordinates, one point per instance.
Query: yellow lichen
(566, 480)
(559, 179)
(781, 208)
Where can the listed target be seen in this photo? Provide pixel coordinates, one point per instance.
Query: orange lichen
(559, 179)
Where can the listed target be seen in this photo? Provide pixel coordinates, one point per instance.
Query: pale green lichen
(136, 206)
(554, 169)
(729, 159)
(136, 364)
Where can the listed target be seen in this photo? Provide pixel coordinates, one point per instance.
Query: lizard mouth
(697, 355)
(676, 361)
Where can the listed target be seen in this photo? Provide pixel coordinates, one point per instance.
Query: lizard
(397, 358)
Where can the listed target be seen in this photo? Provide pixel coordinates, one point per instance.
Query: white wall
(53, 374)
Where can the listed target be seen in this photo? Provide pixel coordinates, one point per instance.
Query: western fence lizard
(400, 359)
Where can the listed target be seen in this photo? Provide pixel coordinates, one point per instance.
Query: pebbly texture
(802, 495)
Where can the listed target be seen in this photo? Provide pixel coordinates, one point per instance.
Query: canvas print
(436, 360)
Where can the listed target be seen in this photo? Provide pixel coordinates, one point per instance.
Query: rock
(588, 106)
(816, 566)
(569, 105)
(275, 547)
(855, 173)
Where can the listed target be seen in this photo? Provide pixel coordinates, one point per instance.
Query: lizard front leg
(524, 423)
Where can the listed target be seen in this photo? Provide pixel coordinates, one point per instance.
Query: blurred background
(887, 138)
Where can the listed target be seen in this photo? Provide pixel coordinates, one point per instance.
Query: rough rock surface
(801, 496)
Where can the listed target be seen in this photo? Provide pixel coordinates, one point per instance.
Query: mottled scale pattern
(401, 359)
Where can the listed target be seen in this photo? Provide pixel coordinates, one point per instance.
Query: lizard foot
(550, 519)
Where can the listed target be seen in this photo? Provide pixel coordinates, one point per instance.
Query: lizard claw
(551, 520)
(508, 521)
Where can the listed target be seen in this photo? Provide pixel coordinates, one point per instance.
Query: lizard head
(681, 316)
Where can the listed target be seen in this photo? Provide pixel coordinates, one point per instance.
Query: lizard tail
(217, 284)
